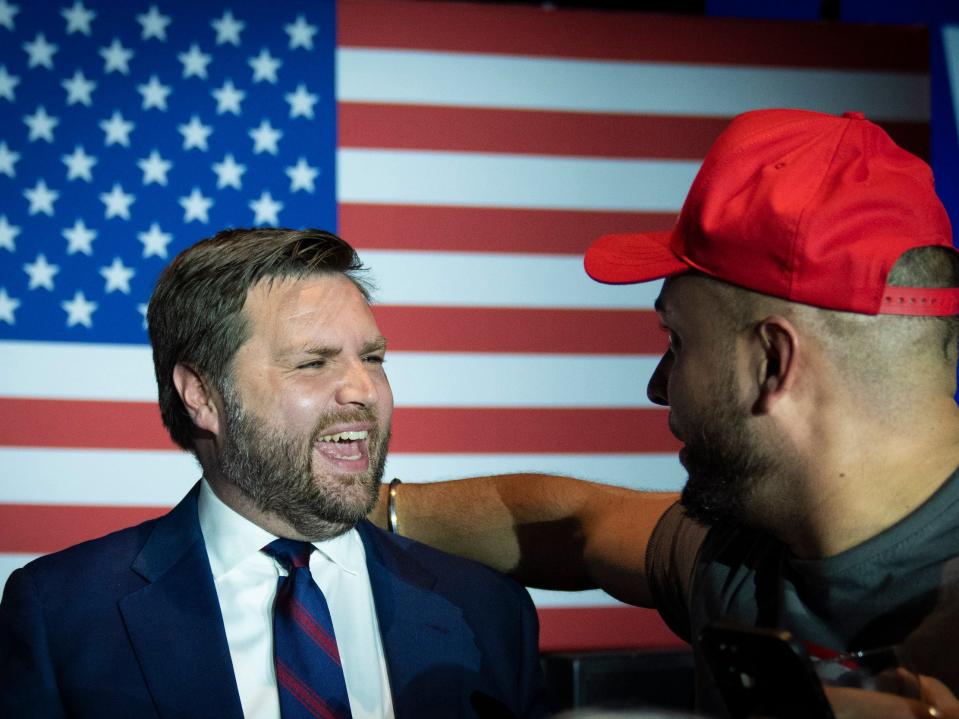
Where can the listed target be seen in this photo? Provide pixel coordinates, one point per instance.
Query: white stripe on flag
(502, 180)
(76, 370)
(546, 598)
(654, 88)
(419, 379)
(159, 479)
(125, 478)
(474, 279)
(424, 379)
(9, 562)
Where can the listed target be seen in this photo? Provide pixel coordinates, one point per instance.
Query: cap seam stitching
(802, 215)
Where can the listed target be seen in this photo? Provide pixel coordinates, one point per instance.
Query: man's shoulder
(75, 587)
(449, 570)
(117, 550)
(92, 560)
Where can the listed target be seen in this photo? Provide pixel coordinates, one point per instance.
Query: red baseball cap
(809, 207)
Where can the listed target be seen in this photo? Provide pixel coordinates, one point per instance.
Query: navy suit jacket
(129, 625)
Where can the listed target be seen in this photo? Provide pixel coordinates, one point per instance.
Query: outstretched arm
(547, 531)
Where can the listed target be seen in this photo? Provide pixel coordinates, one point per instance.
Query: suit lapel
(429, 648)
(175, 625)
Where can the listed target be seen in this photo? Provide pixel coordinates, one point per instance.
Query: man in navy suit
(270, 371)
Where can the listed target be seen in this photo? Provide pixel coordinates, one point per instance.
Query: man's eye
(374, 359)
(313, 364)
(672, 338)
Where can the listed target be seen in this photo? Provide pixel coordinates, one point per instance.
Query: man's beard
(727, 465)
(275, 470)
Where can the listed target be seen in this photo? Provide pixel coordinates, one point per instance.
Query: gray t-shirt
(899, 587)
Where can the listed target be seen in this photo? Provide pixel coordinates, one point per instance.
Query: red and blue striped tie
(308, 672)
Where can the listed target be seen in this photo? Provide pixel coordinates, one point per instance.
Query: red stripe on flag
(467, 329)
(485, 229)
(534, 132)
(471, 429)
(131, 425)
(82, 424)
(42, 528)
(589, 628)
(474, 27)
(526, 131)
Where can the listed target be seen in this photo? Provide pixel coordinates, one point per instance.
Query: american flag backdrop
(469, 151)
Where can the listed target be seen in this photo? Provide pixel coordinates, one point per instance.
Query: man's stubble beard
(276, 472)
(728, 465)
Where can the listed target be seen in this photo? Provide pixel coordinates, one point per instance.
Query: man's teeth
(344, 437)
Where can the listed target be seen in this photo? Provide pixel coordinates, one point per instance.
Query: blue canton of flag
(130, 130)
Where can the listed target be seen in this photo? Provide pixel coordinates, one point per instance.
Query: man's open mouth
(348, 446)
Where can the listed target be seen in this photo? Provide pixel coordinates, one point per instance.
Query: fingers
(848, 703)
(938, 695)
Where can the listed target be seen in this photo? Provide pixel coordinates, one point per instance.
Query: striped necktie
(308, 673)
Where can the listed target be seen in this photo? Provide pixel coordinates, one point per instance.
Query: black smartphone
(763, 673)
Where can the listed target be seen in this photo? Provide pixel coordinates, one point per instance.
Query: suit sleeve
(28, 685)
(531, 685)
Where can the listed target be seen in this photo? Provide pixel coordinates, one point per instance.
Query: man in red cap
(810, 302)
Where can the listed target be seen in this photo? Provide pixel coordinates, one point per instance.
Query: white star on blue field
(130, 131)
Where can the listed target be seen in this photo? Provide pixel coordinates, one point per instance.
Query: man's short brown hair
(196, 311)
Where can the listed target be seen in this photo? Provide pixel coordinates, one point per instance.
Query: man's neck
(865, 477)
(242, 504)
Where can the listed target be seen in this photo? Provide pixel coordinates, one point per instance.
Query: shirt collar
(345, 551)
(231, 538)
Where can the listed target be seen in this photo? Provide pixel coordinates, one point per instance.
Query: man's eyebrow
(375, 345)
(320, 351)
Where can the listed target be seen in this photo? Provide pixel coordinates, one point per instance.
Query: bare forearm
(545, 530)
(461, 517)
(480, 518)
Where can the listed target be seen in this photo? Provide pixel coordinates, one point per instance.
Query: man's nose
(356, 386)
(657, 389)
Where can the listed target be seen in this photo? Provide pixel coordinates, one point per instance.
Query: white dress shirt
(246, 582)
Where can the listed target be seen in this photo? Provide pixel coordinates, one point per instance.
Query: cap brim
(630, 258)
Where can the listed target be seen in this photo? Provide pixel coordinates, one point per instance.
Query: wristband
(392, 521)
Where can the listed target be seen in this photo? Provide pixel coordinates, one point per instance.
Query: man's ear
(198, 398)
(778, 365)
